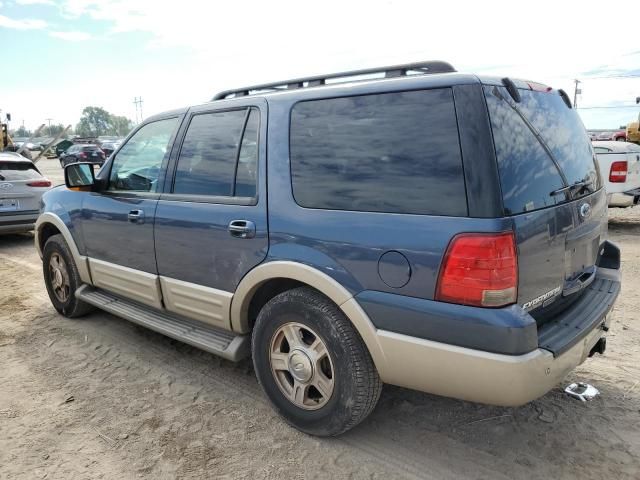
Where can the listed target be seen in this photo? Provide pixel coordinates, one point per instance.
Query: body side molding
(206, 304)
(140, 286)
(80, 260)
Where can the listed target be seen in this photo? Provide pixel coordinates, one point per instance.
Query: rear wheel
(312, 364)
(61, 278)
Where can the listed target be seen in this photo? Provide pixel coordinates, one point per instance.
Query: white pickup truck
(619, 164)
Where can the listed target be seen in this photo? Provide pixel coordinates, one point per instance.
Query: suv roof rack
(318, 80)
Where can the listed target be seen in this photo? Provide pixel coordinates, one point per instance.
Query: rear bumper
(474, 375)
(496, 378)
(18, 222)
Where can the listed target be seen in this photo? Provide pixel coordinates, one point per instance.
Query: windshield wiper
(579, 186)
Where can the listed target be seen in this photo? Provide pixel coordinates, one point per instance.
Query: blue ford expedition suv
(407, 225)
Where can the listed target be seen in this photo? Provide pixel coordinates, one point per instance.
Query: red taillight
(479, 269)
(40, 183)
(618, 172)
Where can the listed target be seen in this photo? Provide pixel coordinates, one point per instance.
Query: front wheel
(312, 363)
(61, 278)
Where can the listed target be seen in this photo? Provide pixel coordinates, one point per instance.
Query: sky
(59, 56)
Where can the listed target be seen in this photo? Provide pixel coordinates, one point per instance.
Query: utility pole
(576, 92)
(49, 130)
(138, 103)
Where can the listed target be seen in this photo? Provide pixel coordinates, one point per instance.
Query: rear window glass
(527, 172)
(89, 149)
(392, 152)
(18, 171)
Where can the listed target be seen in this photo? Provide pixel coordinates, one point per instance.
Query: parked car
(592, 135)
(109, 147)
(26, 153)
(618, 136)
(437, 231)
(62, 147)
(619, 164)
(21, 187)
(82, 152)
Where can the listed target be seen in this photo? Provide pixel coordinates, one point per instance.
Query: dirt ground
(99, 397)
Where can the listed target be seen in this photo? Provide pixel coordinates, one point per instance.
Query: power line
(630, 75)
(609, 106)
(138, 102)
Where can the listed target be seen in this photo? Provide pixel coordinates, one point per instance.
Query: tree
(96, 121)
(53, 130)
(22, 132)
(121, 125)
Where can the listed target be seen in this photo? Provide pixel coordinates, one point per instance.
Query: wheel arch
(298, 274)
(49, 224)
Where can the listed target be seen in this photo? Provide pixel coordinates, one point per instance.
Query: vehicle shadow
(419, 435)
(553, 437)
(16, 240)
(624, 225)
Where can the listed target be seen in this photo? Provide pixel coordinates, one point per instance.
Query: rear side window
(18, 171)
(392, 152)
(219, 155)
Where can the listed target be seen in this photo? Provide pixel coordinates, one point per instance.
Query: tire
(621, 139)
(356, 385)
(68, 305)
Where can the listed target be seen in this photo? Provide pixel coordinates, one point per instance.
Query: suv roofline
(356, 87)
(391, 71)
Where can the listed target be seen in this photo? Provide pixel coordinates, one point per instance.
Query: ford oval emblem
(585, 210)
(6, 186)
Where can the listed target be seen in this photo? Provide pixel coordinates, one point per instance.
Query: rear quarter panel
(348, 245)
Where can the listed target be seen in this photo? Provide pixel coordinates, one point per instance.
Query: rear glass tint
(392, 152)
(17, 171)
(527, 172)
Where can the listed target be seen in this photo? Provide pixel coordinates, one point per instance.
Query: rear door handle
(136, 216)
(242, 229)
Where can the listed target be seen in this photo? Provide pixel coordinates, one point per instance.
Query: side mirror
(80, 176)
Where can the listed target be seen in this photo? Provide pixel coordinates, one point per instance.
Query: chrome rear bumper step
(225, 344)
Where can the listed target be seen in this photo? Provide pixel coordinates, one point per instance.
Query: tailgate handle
(582, 281)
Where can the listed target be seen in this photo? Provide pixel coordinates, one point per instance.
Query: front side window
(137, 166)
(219, 155)
(392, 152)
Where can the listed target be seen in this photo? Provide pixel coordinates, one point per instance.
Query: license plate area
(9, 204)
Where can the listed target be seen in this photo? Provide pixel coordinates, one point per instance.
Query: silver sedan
(21, 186)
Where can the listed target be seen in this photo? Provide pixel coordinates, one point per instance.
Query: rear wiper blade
(580, 185)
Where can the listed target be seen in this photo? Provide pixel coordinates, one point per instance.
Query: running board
(219, 342)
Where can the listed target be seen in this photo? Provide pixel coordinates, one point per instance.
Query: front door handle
(242, 229)
(136, 216)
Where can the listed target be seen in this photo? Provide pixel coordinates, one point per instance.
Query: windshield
(541, 146)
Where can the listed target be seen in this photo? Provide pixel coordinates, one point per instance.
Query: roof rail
(318, 80)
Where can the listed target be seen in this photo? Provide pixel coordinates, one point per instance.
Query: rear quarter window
(391, 152)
